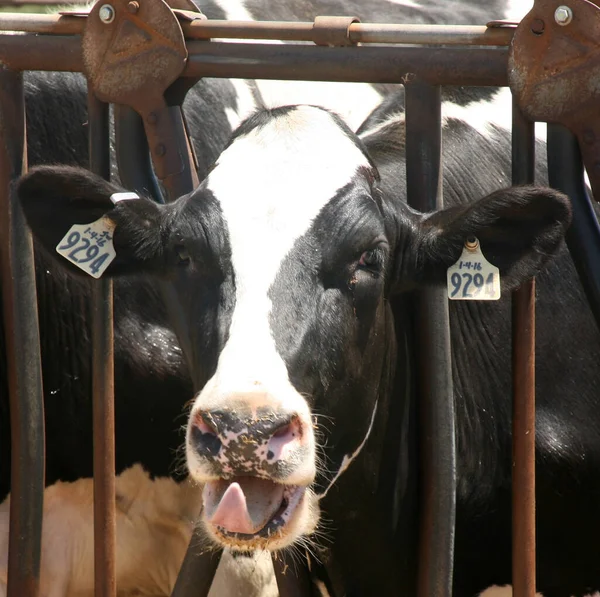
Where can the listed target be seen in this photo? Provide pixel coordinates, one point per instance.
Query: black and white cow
(147, 351)
(294, 263)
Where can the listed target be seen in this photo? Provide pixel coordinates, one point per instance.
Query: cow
(154, 523)
(147, 350)
(295, 263)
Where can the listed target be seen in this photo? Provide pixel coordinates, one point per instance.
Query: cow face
(281, 263)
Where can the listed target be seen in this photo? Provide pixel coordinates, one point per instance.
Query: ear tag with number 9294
(473, 277)
(90, 246)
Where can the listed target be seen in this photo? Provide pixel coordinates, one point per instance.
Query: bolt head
(133, 6)
(563, 15)
(106, 13)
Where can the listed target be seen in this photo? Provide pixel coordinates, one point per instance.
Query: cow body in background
(154, 523)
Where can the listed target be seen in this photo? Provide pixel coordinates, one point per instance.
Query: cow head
(282, 262)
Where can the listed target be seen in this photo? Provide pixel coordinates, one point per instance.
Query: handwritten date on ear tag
(473, 277)
(89, 246)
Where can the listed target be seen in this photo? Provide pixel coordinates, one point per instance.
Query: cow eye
(183, 255)
(371, 260)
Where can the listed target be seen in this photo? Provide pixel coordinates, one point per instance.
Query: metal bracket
(554, 67)
(132, 52)
(333, 31)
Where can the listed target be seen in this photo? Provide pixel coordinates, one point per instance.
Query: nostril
(204, 436)
(204, 423)
(285, 439)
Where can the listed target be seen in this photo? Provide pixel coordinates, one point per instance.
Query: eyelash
(371, 260)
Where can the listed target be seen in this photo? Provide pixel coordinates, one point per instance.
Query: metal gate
(401, 54)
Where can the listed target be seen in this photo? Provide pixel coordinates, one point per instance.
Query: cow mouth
(246, 509)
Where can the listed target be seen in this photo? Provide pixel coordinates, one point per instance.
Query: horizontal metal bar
(374, 64)
(41, 52)
(368, 64)
(284, 31)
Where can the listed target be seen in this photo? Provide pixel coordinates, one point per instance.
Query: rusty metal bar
(132, 154)
(23, 351)
(48, 53)
(473, 35)
(293, 577)
(103, 383)
(186, 180)
(366, 64)
(523, 364)
(565, 173)
(435, 389)
(376, 64)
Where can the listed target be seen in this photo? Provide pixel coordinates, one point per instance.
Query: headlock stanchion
(565, 173)
(436, 405)
(523, 363)
(103, 382)
(160, 159)
(22, 344)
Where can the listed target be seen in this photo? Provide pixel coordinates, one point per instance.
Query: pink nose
(246, 442)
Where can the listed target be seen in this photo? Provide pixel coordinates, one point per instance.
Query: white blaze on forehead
(271, 184)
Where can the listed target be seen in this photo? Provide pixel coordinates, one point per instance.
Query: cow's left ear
(519, 229)
(54, 198)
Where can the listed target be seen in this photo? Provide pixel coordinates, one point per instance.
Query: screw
(563, 15)
(133, 6)
(106, 13)
(152, 118)
(160, 150)
(537, 26)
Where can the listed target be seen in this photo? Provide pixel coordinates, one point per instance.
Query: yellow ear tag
(90, 246)
(473, 277)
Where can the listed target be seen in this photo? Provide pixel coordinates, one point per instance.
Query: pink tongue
(245, 505)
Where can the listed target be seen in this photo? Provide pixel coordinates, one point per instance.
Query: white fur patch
(271, 184)
(485, 113)
(234, 10)
(407, 3)
(517, 9)
(246, 104)
(352, 101)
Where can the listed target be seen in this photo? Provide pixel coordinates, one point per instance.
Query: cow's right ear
(54, 198)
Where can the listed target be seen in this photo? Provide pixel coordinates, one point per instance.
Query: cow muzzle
(257, 463)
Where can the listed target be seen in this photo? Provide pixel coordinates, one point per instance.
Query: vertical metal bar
(523, 426)
(23, 351)
(133, 155)
(103, 382)
(565, 173)
(199, 567)
(186, 180)
(293, 578)
(436, 401)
